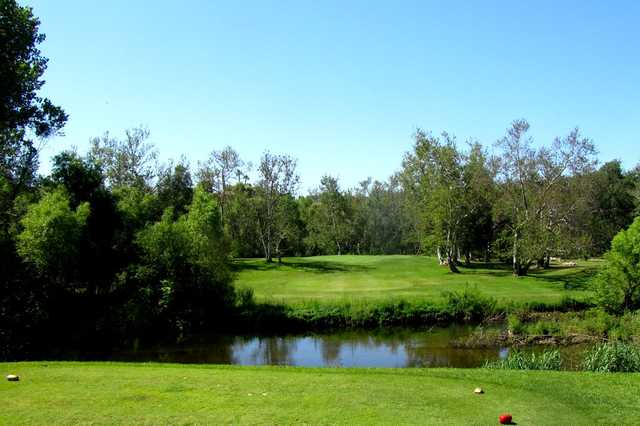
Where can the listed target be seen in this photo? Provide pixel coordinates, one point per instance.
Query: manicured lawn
(407, 277)
(104, 393)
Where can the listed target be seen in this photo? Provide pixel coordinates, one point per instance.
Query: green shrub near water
(591, 323)
(466, 305)
(617, 285)
(463, 306)
(612, 357)
(519, 360)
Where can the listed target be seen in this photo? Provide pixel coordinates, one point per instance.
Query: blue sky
(342, 85)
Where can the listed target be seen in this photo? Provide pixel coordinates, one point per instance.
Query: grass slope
(333, 278)
(103, 393)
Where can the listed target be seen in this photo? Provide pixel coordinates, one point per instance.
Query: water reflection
(391, 348)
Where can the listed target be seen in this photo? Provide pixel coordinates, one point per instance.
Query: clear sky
(342, 85)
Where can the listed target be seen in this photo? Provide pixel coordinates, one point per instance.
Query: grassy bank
(467, 305)
(414, 278)
(101, 393)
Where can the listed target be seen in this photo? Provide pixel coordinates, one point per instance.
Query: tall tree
(23, 113)
(530, 181)
(329, 226)
(174, 186)
(126, 162)
(612, 204)
(216, 175)
(278, 180)
(51, 236)
(444, 191)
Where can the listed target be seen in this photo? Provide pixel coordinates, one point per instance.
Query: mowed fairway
(115, 394)
(328, 278)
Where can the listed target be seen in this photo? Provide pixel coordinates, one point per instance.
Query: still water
(434, 347)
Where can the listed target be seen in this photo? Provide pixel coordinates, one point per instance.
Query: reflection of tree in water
(435, 349)
(211, 350)
(330, 349)
(357, 344)
(274, 351)
(402, 347)
(424, 356)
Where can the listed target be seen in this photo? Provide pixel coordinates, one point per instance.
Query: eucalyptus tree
(277, 183)
(533, 187)
(129, 161)
(438, 168)
(222, 169)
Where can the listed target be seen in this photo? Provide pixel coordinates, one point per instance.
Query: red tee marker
(505, 419)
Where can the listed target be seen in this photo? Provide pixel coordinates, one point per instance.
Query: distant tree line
(521, 204)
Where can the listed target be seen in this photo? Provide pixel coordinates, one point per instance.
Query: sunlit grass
(114, 394)
(331, 278)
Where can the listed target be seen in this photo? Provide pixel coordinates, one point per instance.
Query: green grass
(333, 278)
(112, 394)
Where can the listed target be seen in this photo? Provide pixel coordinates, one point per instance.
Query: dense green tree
(174, 187)
(451, 189)
(184, 264)
(51, 236)
(240, 221)
(618, 283)
(480, 192)
(23, 113)
(83, 181)
(25, 116)
(329, 218)
(612, 204)
(21, 69)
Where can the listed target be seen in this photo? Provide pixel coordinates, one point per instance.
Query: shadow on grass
(496, 269)
(578, 279)
(320, 267)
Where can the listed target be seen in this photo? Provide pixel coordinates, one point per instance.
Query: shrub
(612, 357)
(617, 286)
(515, 324)
(518, 360)
(469, 304)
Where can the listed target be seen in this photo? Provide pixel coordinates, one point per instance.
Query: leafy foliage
(618, 284)
(51, 235)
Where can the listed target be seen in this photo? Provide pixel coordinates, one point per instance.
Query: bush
(612, 357)
(515, 324)
(518, 360)
(469, 304)
(617, 286)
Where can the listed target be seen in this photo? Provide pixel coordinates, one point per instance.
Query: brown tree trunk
(452, 263)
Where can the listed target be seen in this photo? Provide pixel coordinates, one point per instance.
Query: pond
(432, 347)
